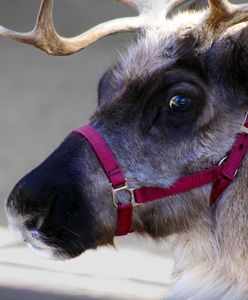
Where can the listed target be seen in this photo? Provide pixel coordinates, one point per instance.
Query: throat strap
(221, 176)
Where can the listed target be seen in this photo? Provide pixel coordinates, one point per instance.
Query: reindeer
(168, 112)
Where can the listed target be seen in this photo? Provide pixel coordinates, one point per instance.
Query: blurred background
(42, 99)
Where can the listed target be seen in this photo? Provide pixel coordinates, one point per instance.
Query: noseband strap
(113, 172)
(221, 176)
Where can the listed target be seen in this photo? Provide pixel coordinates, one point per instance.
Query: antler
(221, 16)
(45, 37)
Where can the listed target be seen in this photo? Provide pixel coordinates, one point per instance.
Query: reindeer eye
(180, 103)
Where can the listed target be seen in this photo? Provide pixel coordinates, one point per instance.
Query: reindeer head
(172, 105)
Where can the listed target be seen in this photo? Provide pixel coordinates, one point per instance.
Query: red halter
(221, 175)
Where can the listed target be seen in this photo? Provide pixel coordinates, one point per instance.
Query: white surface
(134, 270)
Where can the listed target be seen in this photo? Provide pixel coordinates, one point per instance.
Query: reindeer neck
(212, 257)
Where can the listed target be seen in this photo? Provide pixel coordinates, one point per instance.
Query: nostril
(40, 222)
(34, 222)
(30, 224)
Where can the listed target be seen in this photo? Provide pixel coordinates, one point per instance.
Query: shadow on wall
(22, 294)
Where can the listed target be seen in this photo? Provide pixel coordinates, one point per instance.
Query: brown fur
(67, 200)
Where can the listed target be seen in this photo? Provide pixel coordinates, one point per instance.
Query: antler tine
(221, 16)
(44, 24)
(45, 37)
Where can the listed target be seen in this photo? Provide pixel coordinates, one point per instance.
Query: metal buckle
(222, 161)
(125, 188)
(243, 127)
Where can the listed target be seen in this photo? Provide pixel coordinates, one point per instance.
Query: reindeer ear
(110, 85)
(199, 4)
(230, 59)
(240, 40)
(104, 86)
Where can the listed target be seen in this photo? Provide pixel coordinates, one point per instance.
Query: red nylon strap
(221, 175)
(104, 154)
(232, 164)
(184, 184)
(113, 172)
(124, 224)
